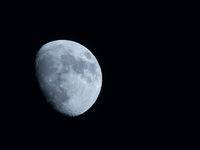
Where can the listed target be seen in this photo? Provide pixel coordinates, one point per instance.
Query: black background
(130, 44)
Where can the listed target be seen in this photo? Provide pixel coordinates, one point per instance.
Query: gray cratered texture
(69, 76)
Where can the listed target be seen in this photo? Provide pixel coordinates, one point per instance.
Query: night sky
(127, 46)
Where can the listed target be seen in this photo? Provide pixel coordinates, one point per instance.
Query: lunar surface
(69, 76)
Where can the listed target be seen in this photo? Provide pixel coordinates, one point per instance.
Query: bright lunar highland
(69, 76)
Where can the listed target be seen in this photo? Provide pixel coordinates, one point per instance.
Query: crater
(57, 95)
(87, 55)
(59, 78)
(55, 91)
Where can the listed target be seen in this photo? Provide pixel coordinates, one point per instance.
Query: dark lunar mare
(79, 66)
(67, 59)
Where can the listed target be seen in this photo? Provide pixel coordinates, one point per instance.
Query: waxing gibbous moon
(69, 76)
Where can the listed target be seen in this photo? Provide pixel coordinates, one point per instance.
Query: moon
(69, 76)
